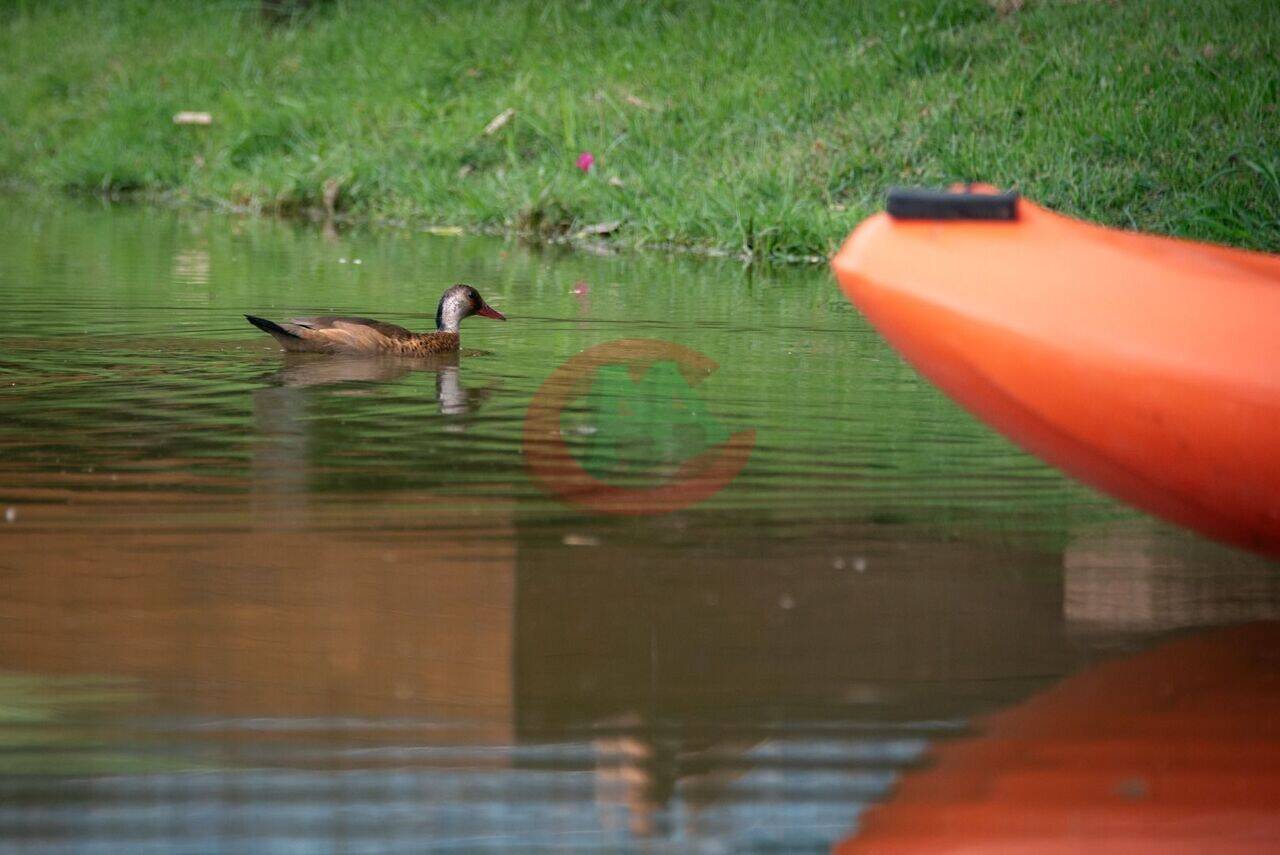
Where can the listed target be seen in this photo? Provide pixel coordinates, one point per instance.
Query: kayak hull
(1146, 367)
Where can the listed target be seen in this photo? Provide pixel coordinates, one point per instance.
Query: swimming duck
(364, 335)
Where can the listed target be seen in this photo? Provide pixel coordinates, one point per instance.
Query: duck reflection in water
(314, 418)
(303, 370)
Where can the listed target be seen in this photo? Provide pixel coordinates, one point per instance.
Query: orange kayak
(1145, 366)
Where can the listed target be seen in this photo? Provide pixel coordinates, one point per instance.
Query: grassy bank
(763, 127)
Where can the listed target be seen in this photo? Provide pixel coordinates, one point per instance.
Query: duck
(333, 334)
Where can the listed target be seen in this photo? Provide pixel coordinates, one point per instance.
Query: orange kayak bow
(1147, 367)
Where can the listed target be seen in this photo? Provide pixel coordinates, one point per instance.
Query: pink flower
(586, 160)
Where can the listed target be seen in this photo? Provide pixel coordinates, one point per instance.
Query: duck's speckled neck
(455, 304)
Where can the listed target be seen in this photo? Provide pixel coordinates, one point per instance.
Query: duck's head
(462, 301)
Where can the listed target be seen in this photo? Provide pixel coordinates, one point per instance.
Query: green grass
(767, 128)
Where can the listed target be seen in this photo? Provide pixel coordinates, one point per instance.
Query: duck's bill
(487, 311)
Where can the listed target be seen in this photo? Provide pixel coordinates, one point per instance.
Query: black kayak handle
(916, 203)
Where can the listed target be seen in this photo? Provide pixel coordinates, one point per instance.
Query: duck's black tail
(269, 326)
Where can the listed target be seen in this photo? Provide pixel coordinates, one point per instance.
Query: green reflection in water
(126, 353)
(54, 726)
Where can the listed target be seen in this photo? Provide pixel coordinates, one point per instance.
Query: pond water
(314, 604)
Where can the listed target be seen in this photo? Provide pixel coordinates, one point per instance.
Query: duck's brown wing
(332, 334)
(335, 322)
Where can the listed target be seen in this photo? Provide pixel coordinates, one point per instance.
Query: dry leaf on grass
(498, 122)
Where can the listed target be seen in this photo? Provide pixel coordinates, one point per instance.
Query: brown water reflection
(685, 673)
(341, 610)
(698, 628)
(411, 606)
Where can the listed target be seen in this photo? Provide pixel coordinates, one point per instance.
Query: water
(314, 604)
